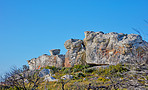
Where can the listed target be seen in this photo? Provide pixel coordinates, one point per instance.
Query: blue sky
(30, 28)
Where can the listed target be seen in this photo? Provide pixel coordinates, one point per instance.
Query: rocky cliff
(96, 48)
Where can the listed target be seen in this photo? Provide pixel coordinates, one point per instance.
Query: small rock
(49, 78)
(67, 77)
(44, 72)
(26, 81)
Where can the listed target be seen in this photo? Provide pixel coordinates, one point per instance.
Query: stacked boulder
(75, 54)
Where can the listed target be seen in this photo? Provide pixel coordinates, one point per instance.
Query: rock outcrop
(47, 60)
(96, 48)
(111, 48)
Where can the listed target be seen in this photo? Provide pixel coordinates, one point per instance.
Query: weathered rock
(67, 77)
(46, 60)
(111, 48)
(76, 52)
(44, 72)
(96, 48)
(54, 52)
(49, 78)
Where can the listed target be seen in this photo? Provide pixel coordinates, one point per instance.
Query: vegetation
(21, 79)
(84, 77)
(113, 70)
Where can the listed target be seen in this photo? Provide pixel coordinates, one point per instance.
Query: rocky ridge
(96, 48)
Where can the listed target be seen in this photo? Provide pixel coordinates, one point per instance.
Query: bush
(103, 79)
(112, 70)
(77, 68)
(66, 71)
(15, 88)
(63, 68)
(147, 77)
(53, 68)
(89, 70)
(80, 75)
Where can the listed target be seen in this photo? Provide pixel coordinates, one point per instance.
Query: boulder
(75, 52)
(67, 77)
(49, 78)
(44, 72)
(46, 60)
(111, 48)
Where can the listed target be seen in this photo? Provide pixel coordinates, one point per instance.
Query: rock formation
(96, 48)
(76, 52)
(46, 60)
(111, 48)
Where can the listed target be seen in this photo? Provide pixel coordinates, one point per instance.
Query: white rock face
(111, 48)
(46, 60)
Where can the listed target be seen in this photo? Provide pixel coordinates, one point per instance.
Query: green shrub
(80, 75)
(53, 68)
(112, 70)
(147, 77)
(63, 68)
(15, 88)
(103, 79)
(66, 71)
(89, 70)
(77, 68)
(80, 80)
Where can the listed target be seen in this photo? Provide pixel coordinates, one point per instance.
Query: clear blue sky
(30, 28)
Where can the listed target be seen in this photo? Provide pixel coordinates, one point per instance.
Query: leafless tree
(22, 78)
